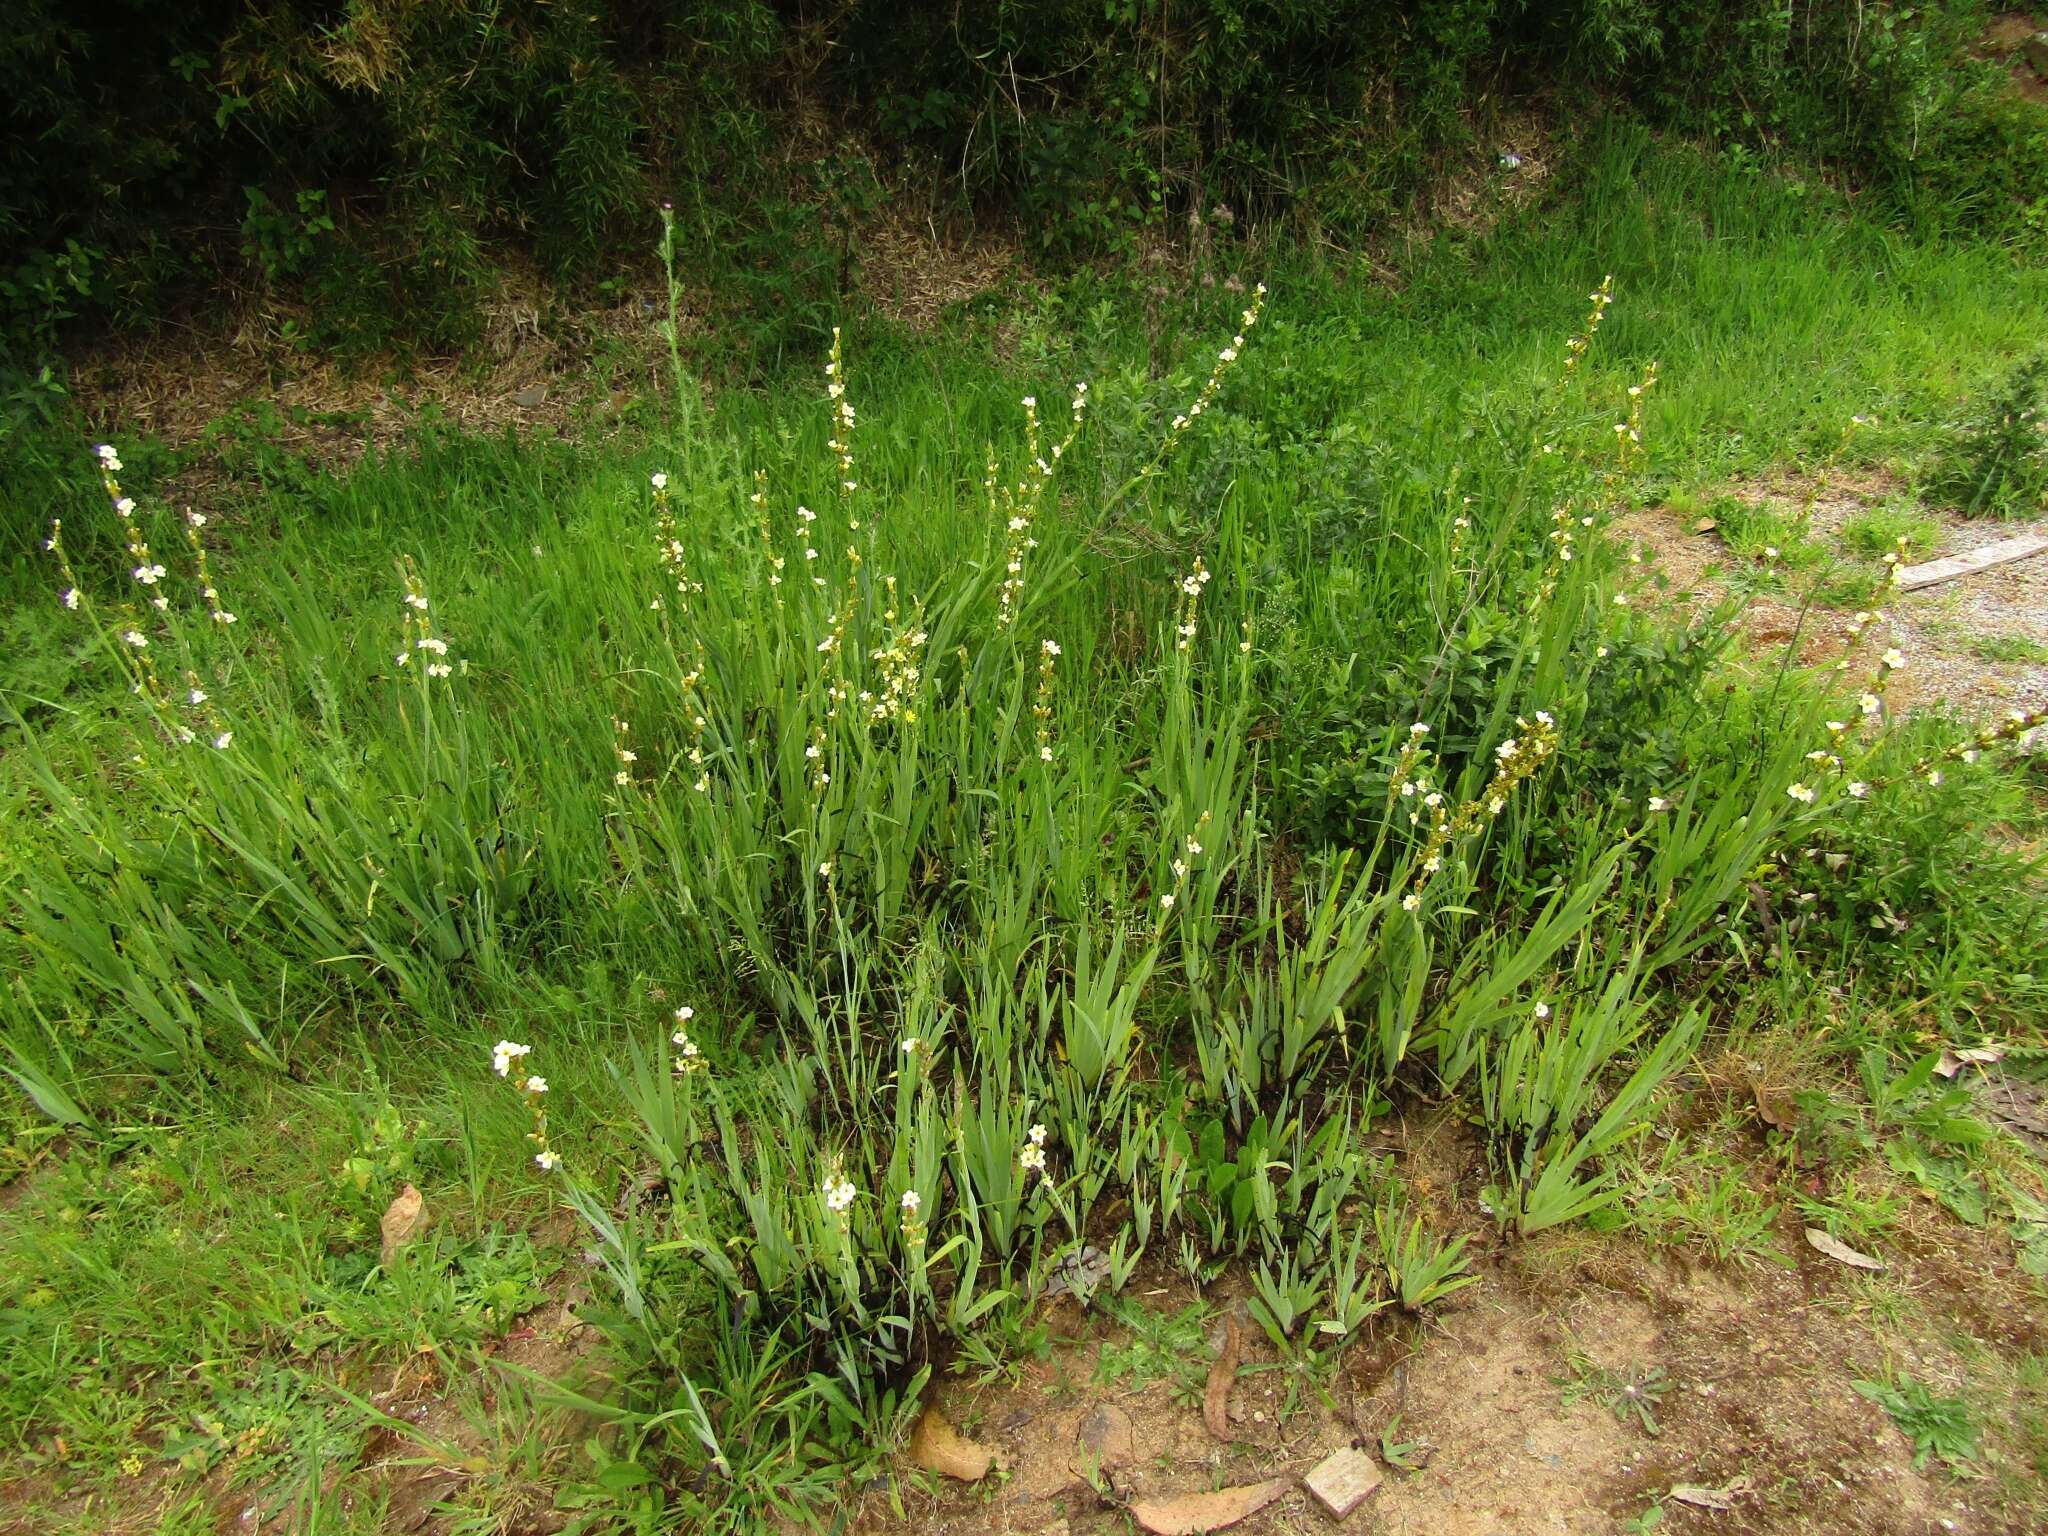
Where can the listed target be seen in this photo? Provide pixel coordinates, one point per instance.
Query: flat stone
(1343, 1480)
(1107, 1437)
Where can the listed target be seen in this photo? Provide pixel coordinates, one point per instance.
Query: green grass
(1150, 908)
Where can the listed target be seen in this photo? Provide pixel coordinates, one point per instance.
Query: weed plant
(948, 871)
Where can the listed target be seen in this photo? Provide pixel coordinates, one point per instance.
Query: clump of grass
(1891, 528)
(1996, 462)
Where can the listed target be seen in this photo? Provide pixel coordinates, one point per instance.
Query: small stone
(1343, 1480)
(1107, 1437)
(531, 396)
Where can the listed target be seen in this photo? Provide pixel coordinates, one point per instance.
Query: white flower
(1871, 703)
(71, 597)
(196, 519)
(1036, 1135)
(548, 1158)
(1045, 754)
(622, 777)
(439, 669)
(1801, 793)
(838, 1192)
(825, 870)
(911, 1201)
(108, 457)
(136, 638)
(1541, 1010)
(1418, 729)
(1032, 1159)
(1770, 551)
(1507, 749)
(197, 696)
(1166, 901)
(1194, 849)
(1180, 869)
(1410, 902)
(1050, 647)
(148, 575)
(1659, 803)
(1858, 790)
(220, 742)
(222, 616)
(504, 1053)
(659, 480)
(536, 1085)
(431, 643)
(1894, 659)
(125, 506)
(1621, 599)
(1934, 778)
(911, 1045)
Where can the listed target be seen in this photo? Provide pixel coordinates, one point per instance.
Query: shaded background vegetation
(383, 160)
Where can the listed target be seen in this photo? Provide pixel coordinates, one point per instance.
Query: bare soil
(1951, 634)
(1758, 1403)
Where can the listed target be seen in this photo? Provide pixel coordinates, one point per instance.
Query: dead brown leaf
(1840, 1251)
(1952, 1062)
(404, 1220)
(1216, 1400)
(1191, 1514)
(1774, 1110)
(938, 1447)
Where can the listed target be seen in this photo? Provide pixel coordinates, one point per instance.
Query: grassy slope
(209, 1254)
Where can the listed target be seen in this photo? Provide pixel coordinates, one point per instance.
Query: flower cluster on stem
(1227, 356)
(420, 638)
(507, 1058)
(1186, 608)
(689, 1060)
(1041, 707)
(1515, 759)
(1018, 505)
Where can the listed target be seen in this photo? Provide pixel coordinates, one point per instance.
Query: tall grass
(998, 840)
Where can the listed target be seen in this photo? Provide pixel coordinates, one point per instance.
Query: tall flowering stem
(842, 430)
(1224, 359)
(1515, 759)
(1041, 707)
(1018, 505)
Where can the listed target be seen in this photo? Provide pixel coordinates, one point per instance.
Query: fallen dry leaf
(1952, 1062)
(404, 1219)
(938, 1447)
(1774, 1111)
(1216, 1400)
(1711, 1498)
(1703, 1498)
(1191, 1514)
(1705, 525)
(1840, 1251)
